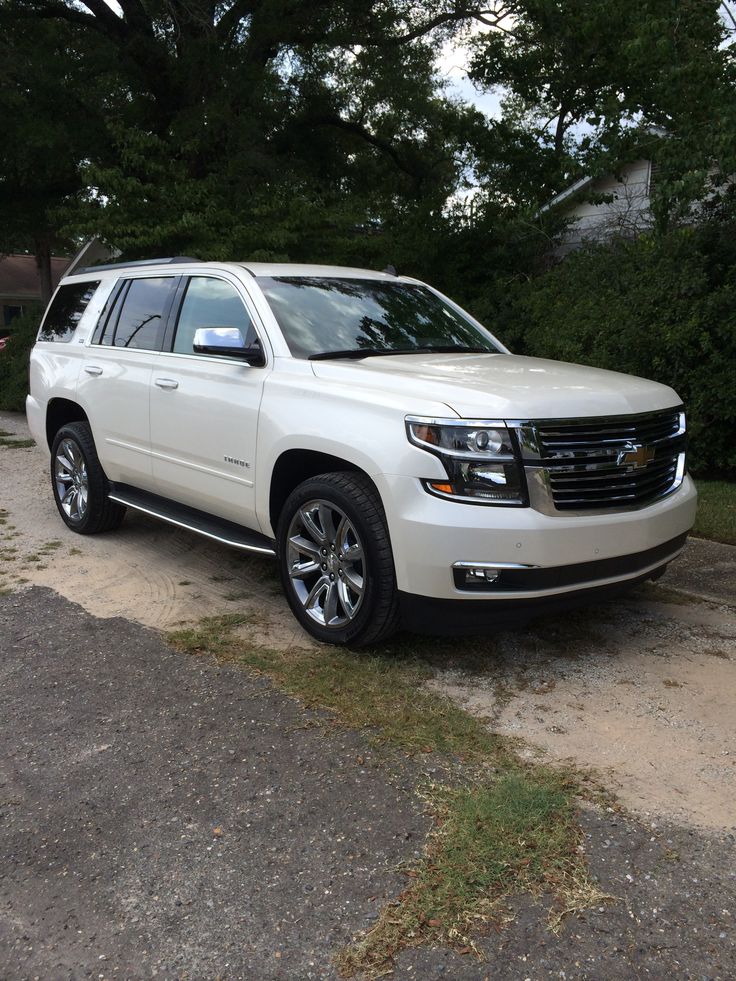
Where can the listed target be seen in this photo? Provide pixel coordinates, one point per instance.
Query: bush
(661, 308)
(14, 360)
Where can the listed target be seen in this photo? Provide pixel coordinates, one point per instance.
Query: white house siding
(626, 213)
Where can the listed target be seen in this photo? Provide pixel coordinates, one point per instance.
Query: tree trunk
(43, 264)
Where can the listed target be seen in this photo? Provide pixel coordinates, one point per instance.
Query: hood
(503, 386)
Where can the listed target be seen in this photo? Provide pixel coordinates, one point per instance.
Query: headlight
(480, 458)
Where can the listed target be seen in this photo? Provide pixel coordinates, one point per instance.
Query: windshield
(326, 317)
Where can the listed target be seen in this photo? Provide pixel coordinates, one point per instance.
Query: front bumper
(422, 614)
(429, 536)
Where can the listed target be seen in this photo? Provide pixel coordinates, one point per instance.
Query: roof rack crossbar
(139, 262)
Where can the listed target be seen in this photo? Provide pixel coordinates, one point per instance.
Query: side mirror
(226, 342)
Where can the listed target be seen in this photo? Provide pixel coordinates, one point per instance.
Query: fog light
(481, 574)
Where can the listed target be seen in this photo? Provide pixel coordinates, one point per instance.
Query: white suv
(398, 461)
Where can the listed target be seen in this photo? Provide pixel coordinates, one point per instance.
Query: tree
(266, 127)
(46, 135)
(593, 83)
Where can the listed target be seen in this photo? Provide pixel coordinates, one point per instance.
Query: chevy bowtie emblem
(635, 456)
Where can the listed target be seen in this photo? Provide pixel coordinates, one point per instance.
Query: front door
(204, 409)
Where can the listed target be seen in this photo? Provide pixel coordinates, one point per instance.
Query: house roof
(19, 275)
(579, 185)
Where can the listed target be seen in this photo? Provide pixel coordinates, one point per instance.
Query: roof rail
(138, 262)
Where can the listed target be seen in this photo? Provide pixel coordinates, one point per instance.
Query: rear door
(114, 381)
(204, 408)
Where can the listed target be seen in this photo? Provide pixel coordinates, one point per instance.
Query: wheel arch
(59, 412)
(294, 466)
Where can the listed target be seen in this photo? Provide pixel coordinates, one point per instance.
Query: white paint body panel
(193, 430)
(117, 405)
(173, 441)
(504, 386)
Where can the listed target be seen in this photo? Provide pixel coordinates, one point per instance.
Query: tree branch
(229, 21)
(364, 134)
(489, 17)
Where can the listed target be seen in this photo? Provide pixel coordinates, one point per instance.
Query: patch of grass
(18, 444)
(505, 826)
(716, 517)
(51, 546)
(364, 691)
(518, 833)
(33, 558)
(75, 551)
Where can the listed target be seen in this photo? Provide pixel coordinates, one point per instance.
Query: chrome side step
(205, 524)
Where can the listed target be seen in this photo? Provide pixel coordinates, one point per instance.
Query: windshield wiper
(352, 352)
(449, 349)
(373, 352)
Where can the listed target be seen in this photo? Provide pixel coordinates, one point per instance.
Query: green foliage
(661, 307)
(589, 85)
(716, 518)
(14, 360)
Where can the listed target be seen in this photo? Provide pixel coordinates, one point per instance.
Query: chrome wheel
(326, 563)
(70, 477)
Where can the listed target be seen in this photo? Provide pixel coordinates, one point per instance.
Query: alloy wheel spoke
(67, 501)
(298, 570)
(343, 528)
(330, 606)
(305, 547)
(354, 553)
(322, 584)
(326, 520)
(311, 526)
(354, 580)
(346, 600)
(65, 462)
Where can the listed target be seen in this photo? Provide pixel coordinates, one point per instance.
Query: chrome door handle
(167, 383)
(93, 369)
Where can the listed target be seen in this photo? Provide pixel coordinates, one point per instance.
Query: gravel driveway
(164, 815)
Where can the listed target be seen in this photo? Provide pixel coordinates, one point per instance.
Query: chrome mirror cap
(227, 338)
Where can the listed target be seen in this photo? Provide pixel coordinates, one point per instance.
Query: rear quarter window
(66, 310)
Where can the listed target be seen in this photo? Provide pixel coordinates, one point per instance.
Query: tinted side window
(140, 321)
(210, 302)
(66, 311)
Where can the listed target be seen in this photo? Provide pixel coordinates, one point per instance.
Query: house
(598, 208)
(20, 284)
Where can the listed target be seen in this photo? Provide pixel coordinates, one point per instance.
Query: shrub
(663, 308)
(14, 360)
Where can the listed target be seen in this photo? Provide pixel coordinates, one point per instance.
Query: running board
(208, 525)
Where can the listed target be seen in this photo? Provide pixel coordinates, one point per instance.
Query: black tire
(98, 513)
(376, 614)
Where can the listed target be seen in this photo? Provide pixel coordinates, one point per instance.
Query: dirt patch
(641, 691)
(644, 689)
(152, 572)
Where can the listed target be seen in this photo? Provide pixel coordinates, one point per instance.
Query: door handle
(93, 369)
(167, 383)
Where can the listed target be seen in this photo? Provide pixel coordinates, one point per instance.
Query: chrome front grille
(608, 463)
